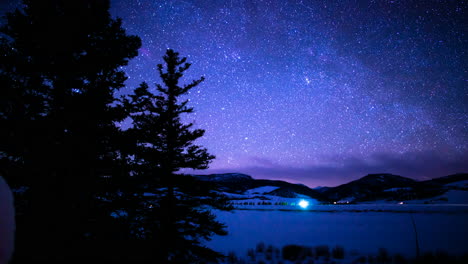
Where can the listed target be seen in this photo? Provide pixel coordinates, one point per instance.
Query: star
(325, 82)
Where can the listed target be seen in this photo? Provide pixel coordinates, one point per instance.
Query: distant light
(334, 202)
(400, 203)
(303, 204)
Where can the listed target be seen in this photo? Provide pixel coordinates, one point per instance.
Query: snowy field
(381, 207)
(361, 228)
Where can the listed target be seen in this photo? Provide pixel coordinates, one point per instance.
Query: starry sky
(316, 92)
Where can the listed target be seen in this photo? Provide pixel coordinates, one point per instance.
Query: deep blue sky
(317, 92)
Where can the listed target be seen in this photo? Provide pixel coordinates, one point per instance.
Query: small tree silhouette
(163, 144)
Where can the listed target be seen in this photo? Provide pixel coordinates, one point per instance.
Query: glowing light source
(303, 204)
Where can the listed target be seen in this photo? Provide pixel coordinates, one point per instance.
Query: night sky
(316, 92)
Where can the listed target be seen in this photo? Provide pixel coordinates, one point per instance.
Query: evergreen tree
(61, 65)
(178, 218)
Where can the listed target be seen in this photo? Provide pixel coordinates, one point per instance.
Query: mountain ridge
(371, 187)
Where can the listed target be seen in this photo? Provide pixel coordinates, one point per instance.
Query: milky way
(318, 92)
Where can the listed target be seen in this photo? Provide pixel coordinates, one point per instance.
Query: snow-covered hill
(241, 185)
(226, 177)
(266, 198)
(370, 187)
(393, 188)
(247, 192)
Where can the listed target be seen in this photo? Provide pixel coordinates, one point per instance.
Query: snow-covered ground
(261, 199)
(459, 184)
(450, 197)
(260, 190)
(258, 198)
(439, 227)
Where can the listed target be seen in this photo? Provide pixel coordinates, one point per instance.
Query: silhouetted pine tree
(179, 217)
(60, 66)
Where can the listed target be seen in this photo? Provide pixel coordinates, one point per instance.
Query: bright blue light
(303, 204)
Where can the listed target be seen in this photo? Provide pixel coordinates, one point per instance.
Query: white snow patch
(346, 200)
(460, 184)
(260, 190)
(398, 189)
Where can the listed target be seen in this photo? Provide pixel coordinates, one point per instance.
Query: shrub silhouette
(322, 251)
(295, 252)
(260, 247)
(338, 252)
(382, 256)
(399, 259)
